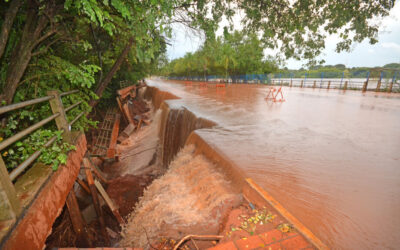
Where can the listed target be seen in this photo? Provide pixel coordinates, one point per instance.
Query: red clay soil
(138, 107)
(125, 191)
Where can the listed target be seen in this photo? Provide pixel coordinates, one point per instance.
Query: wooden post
(390, 87)
(291, 82)
(61, 121)
(95, 198)
(301, 85)
(57, 107)
(365, 86)
(378, 86)
(329, 84)
(114, 135)
(122, 110)
(315, 84)
(127, 113)
(78, 223)
(9, 189)
(345, 85)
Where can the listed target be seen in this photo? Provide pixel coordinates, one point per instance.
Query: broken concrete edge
(35, 223)
(250, 190)
(157, 96)
(260, 197)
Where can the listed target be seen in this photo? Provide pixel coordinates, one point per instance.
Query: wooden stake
(78, 223)
(95, 198)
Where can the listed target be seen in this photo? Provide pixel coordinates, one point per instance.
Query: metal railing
(58, 110)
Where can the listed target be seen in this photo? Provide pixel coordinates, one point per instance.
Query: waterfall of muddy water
(175, 127)
(191, 198)
(329, 157)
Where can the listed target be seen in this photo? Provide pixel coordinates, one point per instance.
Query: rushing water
(330, 157)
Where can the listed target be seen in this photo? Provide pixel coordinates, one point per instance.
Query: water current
(329, 157)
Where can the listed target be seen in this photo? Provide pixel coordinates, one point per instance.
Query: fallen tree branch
(197, 237)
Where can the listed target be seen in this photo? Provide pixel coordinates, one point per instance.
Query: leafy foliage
(234, 54)
(55, 155)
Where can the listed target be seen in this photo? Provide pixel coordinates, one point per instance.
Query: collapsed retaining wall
(177, 129)
(36, 221)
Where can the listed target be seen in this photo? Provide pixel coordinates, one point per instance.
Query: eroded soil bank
(168, 201)
(124, 182)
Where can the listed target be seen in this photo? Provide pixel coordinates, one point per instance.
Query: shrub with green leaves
(54, 155)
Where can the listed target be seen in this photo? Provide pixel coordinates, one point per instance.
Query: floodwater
(331, 158)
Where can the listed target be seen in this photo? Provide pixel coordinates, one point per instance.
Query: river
(329, 157)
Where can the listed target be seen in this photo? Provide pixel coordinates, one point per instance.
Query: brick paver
(225, 246)
(252, 242)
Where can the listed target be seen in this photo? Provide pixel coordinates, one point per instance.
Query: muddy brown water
(330, 157)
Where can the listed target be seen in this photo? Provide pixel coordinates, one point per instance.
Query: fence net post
(57, 107)
(61, 121)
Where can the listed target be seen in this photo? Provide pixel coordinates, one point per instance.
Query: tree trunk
(7, 24)
(103, 84)
(22, 53)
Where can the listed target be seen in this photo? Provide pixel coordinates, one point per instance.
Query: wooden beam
(8, 188)
(127, 113)
(78, 223)
(122, 110)
(126, 91)
(83, 185)
(97, 171)
(114, 136)
(110, 203)
(95, 198)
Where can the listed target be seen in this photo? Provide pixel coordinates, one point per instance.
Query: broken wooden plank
(113, 141)
(95, 199)
(78, 223)
(127, 113)
(83, 185)
(123, 93)
(97, 171)
(114, 208)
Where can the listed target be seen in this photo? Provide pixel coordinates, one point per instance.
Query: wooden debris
(83, 185)
(113, 141)
(78, 223)
(95, 198)
(109, 202)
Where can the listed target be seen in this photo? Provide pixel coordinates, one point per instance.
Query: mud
(125, 191)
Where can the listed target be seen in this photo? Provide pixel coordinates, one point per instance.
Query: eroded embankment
(175, 204)
(191, 198)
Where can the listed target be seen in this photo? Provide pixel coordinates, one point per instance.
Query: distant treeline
(234, 53)
(340, 70)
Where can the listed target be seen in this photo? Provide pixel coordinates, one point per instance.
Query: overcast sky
(387, 50)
